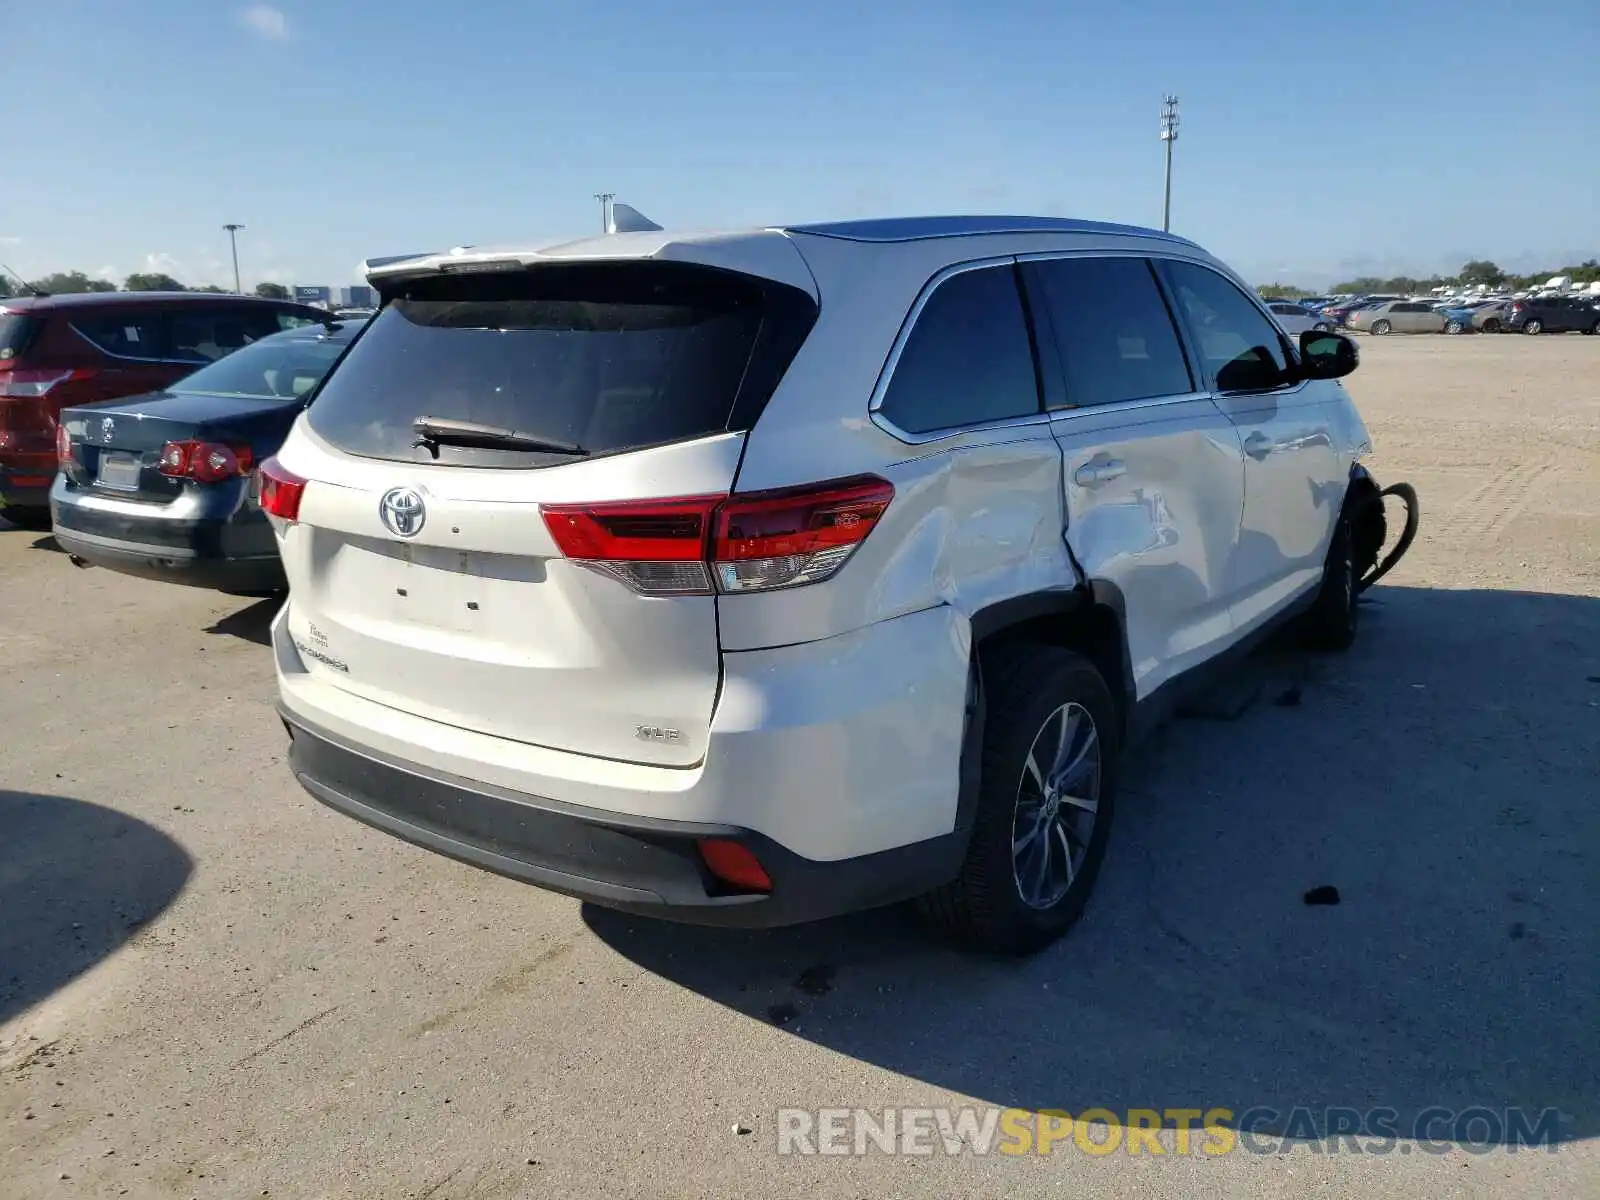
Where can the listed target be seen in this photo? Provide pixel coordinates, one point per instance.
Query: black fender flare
(995, 619)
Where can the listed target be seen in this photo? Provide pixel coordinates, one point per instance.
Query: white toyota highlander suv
(749, 577)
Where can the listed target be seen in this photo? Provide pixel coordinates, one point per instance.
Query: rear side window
(130, 334)
(1241, 349)
(968, 358)
(17, 332)
(201, 335)
(1113, 330)
(604, 357)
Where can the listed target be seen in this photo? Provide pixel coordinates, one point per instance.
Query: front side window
(968, 359)
(1241, 349)
(1112, 327)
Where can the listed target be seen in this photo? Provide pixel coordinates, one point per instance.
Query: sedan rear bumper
(231, 553)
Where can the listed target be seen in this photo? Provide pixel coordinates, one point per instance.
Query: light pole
(233, 240)
(1169, 134)
(605, 199)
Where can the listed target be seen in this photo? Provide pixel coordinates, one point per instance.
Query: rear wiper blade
(433, 432)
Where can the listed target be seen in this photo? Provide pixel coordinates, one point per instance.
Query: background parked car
(57, 351)
(1295, 319)
(1398, 316)
(1553, 314)
(160, 485)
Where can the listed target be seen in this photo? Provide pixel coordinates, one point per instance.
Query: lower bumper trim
(641, 865)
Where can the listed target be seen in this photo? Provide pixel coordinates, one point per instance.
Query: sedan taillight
(204, 462)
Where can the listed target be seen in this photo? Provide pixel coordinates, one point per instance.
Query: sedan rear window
(275, 368)
(600, 357)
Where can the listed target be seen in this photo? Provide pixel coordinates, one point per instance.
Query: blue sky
(1318, 140)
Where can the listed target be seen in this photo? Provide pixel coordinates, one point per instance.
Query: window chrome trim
(1084, 410)
(886, 376)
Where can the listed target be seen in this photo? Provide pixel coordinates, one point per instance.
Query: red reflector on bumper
(734, 864)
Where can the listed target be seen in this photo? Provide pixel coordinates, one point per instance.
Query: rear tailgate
(426, 577)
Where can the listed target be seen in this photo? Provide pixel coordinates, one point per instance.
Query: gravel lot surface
(212, 986)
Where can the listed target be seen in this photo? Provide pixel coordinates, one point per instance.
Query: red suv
(59, 351)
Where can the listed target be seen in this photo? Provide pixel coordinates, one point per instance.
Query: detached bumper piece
(651, 867)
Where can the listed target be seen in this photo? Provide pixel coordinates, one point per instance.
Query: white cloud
(164, 264)
(10, 241)
(265, 21)
(106, 272)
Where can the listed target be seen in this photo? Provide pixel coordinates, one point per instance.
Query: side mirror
(1327, 355)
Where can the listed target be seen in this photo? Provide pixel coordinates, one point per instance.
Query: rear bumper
(648, 866)
(24, 486)
(232, 552)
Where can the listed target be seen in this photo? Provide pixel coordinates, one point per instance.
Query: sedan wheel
(1381, 327)
(1453, 327)
(1533, 328)
(1320, 327)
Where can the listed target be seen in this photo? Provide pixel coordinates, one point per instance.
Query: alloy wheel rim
(1058, 801)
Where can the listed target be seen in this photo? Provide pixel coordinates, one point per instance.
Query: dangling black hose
(1377, 523)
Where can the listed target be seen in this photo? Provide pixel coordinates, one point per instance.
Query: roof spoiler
(372, 264)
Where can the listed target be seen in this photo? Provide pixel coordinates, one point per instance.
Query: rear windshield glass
(602, 357)
(275, 368)
(16, 334)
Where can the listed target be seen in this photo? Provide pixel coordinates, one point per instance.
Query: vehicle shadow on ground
(47, 542)
(252, 623)
(1441, 776)
(76, 881)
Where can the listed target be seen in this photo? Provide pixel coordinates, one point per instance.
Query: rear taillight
(694, 545)
(26, 383)
(794, 536)
(63, 446)
(281, 491)
(204, 462)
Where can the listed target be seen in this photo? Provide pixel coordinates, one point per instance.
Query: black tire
(1593, 329)
(1454, 327)
(1492, 325)
(35, 520)
(1379, 328)
(1330, 623)
(983, 907)
(1533, 328)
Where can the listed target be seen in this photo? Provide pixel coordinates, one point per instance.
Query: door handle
(1258, 445)
(1093, 474)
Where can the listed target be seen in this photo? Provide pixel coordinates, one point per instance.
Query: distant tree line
(65, 282)
(1479, 270)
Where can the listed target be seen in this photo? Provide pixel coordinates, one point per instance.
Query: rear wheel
(1593, 329)
(36, 520)
(1454, 327)
(1492, 325)
(1044, 807)
(1320, 327)
(1330, 623)
(1381, 327)
(1533, 328)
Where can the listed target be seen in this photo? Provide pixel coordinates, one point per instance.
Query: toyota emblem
(403, 512)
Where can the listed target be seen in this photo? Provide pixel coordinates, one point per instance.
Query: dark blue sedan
(161, 485)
